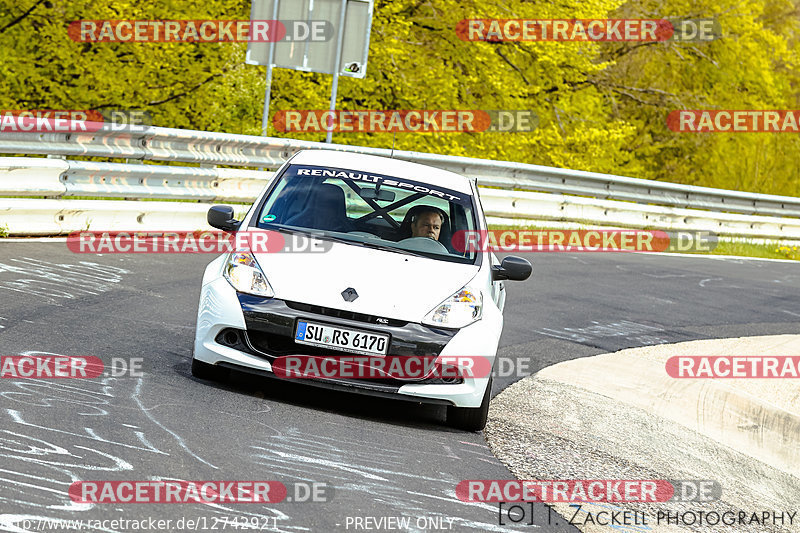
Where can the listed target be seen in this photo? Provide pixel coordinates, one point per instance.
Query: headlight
(461, 309)
(244, 274)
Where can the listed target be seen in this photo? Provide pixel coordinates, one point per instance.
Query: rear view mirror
(221, 217)
(512, 268)
(381, 196)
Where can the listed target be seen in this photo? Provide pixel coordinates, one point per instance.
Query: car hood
(389, 284)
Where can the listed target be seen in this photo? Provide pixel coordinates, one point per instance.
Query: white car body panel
(389, 284)
(381, 278)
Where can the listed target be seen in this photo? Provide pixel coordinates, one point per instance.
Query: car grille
(270, 346)
(271, 324)
(349, 315)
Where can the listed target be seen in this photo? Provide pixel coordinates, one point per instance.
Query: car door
(497, 289)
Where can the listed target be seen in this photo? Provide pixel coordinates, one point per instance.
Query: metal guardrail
(85, 178)
(554, 210)
(166, 144)
(512, 192)
(58, 178)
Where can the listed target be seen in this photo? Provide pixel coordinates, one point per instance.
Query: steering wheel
(363, 234)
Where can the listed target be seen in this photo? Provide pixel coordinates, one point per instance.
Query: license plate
(342, 339)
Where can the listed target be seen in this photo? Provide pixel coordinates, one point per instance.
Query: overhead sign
(316, 51)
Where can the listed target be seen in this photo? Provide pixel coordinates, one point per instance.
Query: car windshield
(371, 210)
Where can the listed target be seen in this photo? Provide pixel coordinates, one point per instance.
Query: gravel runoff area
(621, 416)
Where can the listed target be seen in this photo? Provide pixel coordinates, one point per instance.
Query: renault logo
(349, 294)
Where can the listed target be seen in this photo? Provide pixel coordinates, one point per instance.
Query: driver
(427, 223)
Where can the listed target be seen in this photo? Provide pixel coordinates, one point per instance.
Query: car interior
(347, 206)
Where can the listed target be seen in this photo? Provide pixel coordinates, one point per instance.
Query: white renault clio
(390, 282)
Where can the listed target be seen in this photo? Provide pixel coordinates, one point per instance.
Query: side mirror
(221, 217)
(512, 268)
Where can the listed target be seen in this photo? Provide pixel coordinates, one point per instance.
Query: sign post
(346, 55)
(268, 90)
(335, 83)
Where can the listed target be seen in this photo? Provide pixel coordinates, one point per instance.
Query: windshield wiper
(368, 244)
(390, 248)
(295, 230)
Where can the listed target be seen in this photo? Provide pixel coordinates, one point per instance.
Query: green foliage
(770, 250)
(753, 66)
(788, 252)
(602, 106)
(202, 86)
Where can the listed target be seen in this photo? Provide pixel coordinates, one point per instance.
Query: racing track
(384, 458)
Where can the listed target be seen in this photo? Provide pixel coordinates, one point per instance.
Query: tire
(470, 418)
(208, 372)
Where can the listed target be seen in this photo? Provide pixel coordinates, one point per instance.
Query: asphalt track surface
(383, 458)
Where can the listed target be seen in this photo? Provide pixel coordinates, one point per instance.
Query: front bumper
(268, 325)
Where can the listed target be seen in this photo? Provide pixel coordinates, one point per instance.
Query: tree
(601, 106)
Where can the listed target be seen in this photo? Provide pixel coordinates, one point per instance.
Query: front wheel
(470, 418)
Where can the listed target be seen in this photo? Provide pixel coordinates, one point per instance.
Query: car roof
(397, 168)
